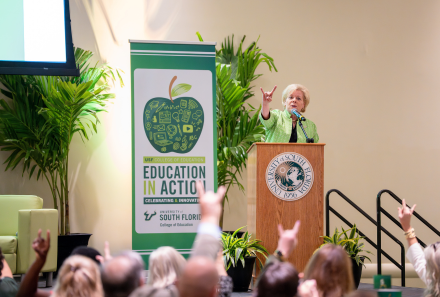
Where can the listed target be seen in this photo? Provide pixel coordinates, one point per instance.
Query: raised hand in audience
(41, 246)
(107, 255)
(210, 203)
(29, 286)
(405, 214)
(308, 289)
(288, 239)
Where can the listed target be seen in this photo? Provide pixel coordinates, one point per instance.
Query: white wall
(372, 68)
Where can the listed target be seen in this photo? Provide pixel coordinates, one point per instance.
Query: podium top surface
(283, 143)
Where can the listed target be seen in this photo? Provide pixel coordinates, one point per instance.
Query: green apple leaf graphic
(180, 89)
(174, 126)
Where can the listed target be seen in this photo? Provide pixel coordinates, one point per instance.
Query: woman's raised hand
(405, 214)
(267, 96)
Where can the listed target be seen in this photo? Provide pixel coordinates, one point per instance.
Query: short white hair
(165, 266)
(432, 256)
(293, 87)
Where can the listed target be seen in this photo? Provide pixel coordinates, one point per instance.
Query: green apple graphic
(174, 125)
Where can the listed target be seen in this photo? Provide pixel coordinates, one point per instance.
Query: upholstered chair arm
(29, 221)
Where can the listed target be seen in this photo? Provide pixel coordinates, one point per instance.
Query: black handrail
(380, 210)
(328, 208)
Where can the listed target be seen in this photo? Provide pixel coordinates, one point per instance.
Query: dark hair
(88, 252)
(279, 279)
(121, 275)
(330, 266)
(1, 261)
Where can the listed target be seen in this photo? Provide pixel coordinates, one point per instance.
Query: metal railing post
(402, 260)
(327, 214)
(379, 236)
(379, 228)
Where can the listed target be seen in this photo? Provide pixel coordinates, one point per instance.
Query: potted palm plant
(238, 125)
(239, 255)
(351, 241)
(39, 120)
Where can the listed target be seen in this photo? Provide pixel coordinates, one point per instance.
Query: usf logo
(289, 176)
(149, 216)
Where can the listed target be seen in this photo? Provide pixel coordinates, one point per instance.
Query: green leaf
(351, 243)
(180, 89)
(236, 249)
(45, 113)
(199, 36)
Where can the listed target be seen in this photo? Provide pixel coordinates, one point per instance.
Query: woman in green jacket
(281, 126)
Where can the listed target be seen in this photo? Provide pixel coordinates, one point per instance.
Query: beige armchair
(20, 218)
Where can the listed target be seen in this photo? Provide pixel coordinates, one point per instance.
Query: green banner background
(145, 243)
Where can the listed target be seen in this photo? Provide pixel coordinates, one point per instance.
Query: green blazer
(279, 127)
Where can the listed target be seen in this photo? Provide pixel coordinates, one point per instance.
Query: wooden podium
(266, 211)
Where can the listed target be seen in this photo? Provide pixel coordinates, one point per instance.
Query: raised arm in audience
(405, 214)
(415, 252)
(287, 241)
(208, 233)
(280, 278)
(286, 244)
(29, 286)
(107, 255)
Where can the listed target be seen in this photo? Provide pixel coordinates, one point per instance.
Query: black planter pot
(357, 272)
(67, 243)
(242, 276)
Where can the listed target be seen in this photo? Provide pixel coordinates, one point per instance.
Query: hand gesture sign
(210, 203)
(308, 289)
(267, 96)
(288, 240)
(405, 214)
(41, 246)
(107, 255)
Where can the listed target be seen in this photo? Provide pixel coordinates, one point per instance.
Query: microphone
(298, 115)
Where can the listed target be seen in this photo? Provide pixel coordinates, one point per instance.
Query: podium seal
(289, 176)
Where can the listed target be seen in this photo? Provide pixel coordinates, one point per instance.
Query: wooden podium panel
(266, 211)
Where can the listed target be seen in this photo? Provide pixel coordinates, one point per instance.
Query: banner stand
(174, 140)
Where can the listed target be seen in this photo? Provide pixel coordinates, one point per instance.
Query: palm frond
(43, 113)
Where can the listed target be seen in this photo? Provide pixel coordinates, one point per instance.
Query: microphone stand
(308, 140)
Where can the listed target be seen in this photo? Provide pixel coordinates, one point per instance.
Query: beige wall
(372, 67)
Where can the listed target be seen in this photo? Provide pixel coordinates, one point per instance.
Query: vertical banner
(174, 140)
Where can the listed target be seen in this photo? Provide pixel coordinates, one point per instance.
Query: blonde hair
(432, 256)
(165, 266)
(291, 88)
(330, 266)
(78, 276)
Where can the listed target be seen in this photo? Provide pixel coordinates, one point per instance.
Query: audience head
(88, 252)
(330, 266)
(432, 256)
(199, 278)
(78, 276)
(122, 274)
(165, 266)
(280, 279)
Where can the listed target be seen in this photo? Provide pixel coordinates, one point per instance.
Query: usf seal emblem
(289, 176)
